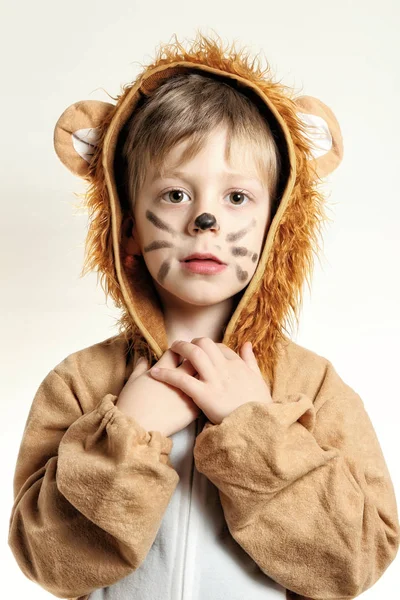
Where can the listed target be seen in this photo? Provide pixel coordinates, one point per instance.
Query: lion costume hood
(310, 144)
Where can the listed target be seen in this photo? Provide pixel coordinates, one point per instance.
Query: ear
(128, 236)
(76, 134)
(322, 129)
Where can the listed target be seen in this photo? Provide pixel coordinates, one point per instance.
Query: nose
(205, 221)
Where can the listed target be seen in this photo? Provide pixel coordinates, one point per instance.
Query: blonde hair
(189, 106)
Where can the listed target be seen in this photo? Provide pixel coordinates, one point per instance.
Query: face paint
(242, 251)
(163, 272)
(234, 237)
(204, 221)
(241, 275)
(157, 245)
(159, 222)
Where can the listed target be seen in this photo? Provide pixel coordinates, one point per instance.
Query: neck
(187, 321)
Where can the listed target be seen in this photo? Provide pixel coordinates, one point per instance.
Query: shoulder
(299, 369)
(96, 370)
(300, 358)
(102, 354)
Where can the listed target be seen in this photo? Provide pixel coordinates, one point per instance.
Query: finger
(197, 356)
(227, 352)
(215, 350)
(191, 386)
(187, 367)
(169, 359)
(211, 349)
(141, 367)
(247, 354)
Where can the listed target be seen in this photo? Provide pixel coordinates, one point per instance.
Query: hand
(225, 379)
(158, 406)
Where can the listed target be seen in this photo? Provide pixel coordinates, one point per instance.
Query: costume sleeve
(305, 489)
(90, 491)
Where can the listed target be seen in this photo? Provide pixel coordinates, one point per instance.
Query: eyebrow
(182, 175)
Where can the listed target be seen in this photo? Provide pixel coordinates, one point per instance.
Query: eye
(175, 195)
(239, 193)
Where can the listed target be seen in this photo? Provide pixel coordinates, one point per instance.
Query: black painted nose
(205, 221)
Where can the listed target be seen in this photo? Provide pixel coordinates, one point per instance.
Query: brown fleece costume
(326, 490)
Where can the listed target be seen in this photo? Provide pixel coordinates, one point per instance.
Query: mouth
(204, 258)
(203, 267)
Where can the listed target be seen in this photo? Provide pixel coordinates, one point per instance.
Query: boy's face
(238, 214)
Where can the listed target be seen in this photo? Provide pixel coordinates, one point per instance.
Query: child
(238, 470)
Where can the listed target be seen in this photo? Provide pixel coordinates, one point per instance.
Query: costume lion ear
(322, 130)
(76, 134)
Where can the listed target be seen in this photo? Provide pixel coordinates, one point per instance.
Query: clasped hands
(225, 380)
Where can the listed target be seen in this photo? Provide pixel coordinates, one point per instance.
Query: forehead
(240, 159)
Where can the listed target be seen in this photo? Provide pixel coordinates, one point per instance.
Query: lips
(203, 257)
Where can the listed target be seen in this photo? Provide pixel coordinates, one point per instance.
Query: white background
(54, 54)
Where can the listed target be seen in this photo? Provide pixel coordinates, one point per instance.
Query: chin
(195, 295)
(198, 298)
